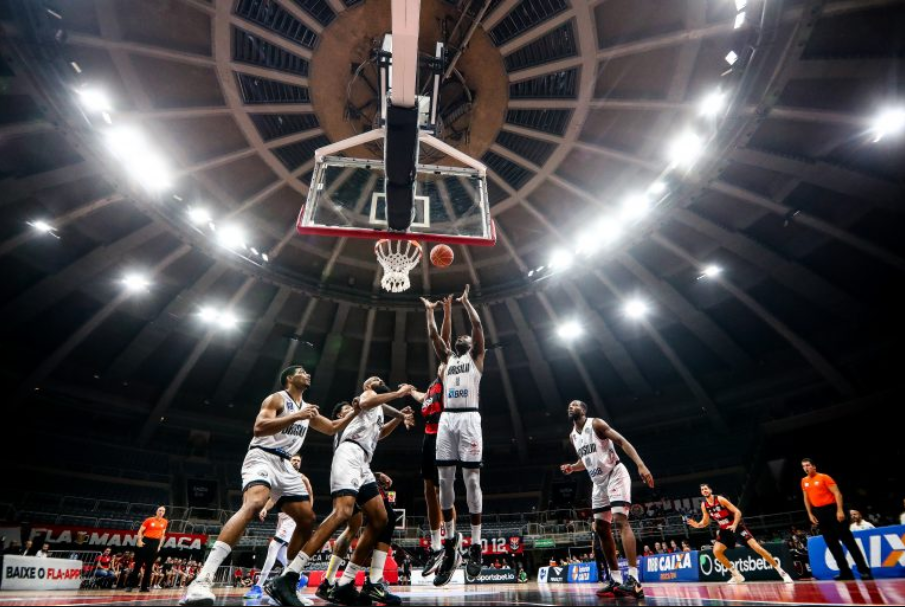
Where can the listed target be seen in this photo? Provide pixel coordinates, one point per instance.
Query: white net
(397, 258)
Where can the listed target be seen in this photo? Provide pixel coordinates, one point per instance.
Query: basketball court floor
(890, 592)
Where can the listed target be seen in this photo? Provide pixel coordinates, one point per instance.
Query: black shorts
(429, 459)
(730, 540)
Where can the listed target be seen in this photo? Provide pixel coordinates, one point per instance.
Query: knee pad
(447, 487)
(386, 536)
(473, 491)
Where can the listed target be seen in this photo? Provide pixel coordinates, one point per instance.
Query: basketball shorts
(612, 495)
(270, 470)
(429, 459)
(731, 539)
(460, 440)
(285, 528)
(350, 474)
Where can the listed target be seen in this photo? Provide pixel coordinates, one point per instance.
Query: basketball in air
(442, 256)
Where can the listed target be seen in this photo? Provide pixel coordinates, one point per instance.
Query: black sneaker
(433, 561)
(325, 591)
(452, 558)
(630, 588)
(474, 564)
(282, 589)
(608, 591)
(379, 593)
(347, 595)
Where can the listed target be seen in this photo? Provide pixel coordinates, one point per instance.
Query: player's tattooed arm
(441, 347)
(604, 431)
(267, 423)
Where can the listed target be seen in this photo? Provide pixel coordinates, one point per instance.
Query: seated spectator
(29, 549)
(658, 548)
(522, 576)
(647, 551)
(686, 547)
(44, 552)
(673, 547)
(103, 569)
(237, 577)
(858, 522)
(497, 564)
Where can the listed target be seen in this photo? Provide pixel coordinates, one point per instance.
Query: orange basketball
(442, 256)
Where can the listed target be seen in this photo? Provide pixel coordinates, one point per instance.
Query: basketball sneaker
(379, 593)
(786, 578)
(452, 558)
(253, 593)
(199, 593)
(630, 588)
(608, 591)
(283, 589)
(473, 566)
(433, 561)
(736, 579)
(325, 591)
(347, 595)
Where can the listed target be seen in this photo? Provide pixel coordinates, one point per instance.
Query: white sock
(273, 550)
(475, 535)
(450, 528)
(436, 540)
(633, 572)
(616, 575)
(378, 560)
(299, 562)
(218, 554)
(349, 574)
(333, 567)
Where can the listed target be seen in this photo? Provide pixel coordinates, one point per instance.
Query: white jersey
(364, 431)
(462, 382)
(599, 456)
(287, 441)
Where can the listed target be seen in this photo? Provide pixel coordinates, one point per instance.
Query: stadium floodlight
(145, 165)
(231, 237)
(739, 20)
(199, 216)
(41, 226)
(561, 259)
(657, 188)
(570, 330)
(711, 271)
(136, 283)
(227, 320)
(713, 104)
(890, 121)
(686, 149)
(731, 58)
(741, 5)
(635, 208)
(94, 100)
(636, 309)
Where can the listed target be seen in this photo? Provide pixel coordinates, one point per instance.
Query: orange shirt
(817, 488)
(154, 528)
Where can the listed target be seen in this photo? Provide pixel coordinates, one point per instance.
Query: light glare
(888, 122)
(570, 330)
(199, 216)
(561, 259)
(136, 282)
(658, 188)
(739, 20)
(741, 5)
(636, 309)
(686, 149)
(731, 58)
(94, 100)
(42, 226)
(713, 104)
(231, 237)
(140, 160)
(712, 271)
(635, 208)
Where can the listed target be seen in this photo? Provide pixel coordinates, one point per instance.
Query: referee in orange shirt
(823, 501)
(150, 539)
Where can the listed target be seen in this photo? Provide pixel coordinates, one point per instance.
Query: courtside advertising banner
(490, 545)
(67, 537)
(884, 549)
(585, 573)
(489, 575)
(33, 573)
(750, 564)
(552, 575)
(679, 567)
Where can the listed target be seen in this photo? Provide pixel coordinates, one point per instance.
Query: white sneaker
(199, 593)
(786, 578)
(305, 601)
(737, 578)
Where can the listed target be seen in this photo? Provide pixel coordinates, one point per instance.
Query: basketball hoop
(397, 261)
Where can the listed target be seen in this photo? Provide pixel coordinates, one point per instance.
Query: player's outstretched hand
(428, 304)
(263, 514)
(385, 481)
(405, 389)
(566, 469)
(690, 522)
(464, 297)
(646, 476)
(308, 412)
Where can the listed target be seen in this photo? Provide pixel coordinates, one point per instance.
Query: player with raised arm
(595, 442)
(732, 531)
(279, 432)
(460, 440)
(351, 482)
(431, 409)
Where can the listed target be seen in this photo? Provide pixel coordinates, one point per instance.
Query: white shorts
(285, 528)
(613, 495)
(460, 440)
(350, 471)
(263, 468)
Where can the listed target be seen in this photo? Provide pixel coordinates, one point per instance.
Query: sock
(450, 528)
(218, 554)
(378, 560)
(273, 551)
(616, 574)
(333, 567)
(633, 572)
(349, 574)
(298, 563)
(436, 541)
(475, 535)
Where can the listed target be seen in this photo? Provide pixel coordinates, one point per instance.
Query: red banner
(490, 545)
(68, 537)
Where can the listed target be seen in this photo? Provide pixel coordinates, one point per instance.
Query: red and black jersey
(432, 407)
(720, 514)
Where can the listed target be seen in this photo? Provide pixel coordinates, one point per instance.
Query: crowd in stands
(113, 570)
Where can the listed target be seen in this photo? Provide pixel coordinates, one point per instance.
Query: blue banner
(678, 567)
(883, 548)
(585, 573)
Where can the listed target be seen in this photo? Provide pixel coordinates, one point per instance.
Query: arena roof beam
(174, 113)
(224, 14)
(300, 328)
(325, 369)
(14, 190)
(135, 48)
(366, 346)
(496, 15)
(270, 74)
(51, 362)
(532, 34)
(541, 372)
(249, 352)
(808, 352)
(15, 130)
(399, 349)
